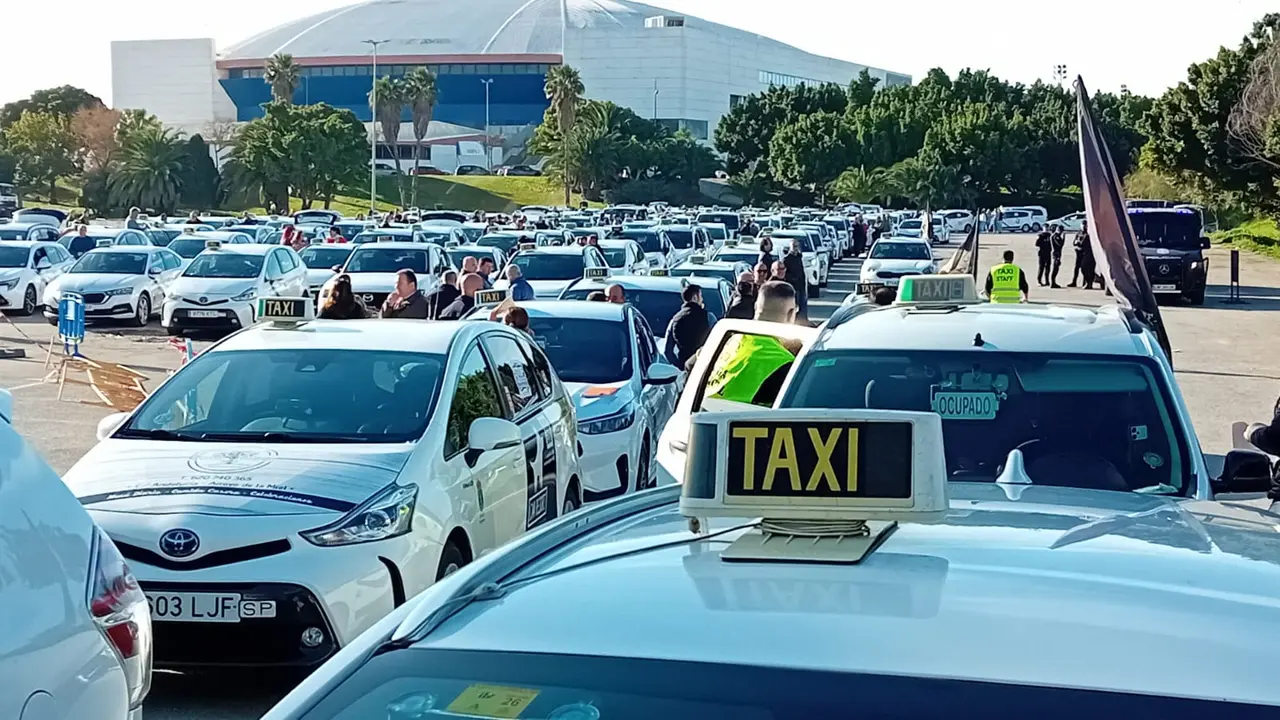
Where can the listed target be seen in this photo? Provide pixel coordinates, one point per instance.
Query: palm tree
(150, 171)
(564, 89)
(283, 75)
(420, 93)
(860, 185)
(388, 112)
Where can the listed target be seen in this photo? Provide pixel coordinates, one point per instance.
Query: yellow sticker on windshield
(492, 701)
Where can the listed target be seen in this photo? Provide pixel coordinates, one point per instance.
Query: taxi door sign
(819, 460)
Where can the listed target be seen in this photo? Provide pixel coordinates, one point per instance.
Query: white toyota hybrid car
(78, 637)
(219, 289)
(293, 484)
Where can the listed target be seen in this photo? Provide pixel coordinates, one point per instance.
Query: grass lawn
(1261, 236)
(477, 192)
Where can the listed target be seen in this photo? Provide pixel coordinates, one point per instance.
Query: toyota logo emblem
(1164, 269)
(203, 299)
(179, 543)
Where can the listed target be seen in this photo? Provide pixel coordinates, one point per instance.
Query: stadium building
(490, 58)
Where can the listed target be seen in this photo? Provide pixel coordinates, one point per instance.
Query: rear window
(729, 220)
(545, 266)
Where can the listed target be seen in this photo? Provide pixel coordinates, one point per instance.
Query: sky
(1144, 44)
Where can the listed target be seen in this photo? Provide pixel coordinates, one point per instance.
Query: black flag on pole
(1114, 244)
(965, 259)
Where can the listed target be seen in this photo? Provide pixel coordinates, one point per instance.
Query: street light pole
(373, 130)
(1060, 74)
(655, 99)
(488, 152)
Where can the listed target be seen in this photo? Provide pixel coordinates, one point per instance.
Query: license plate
(204, 313)
(207, 607)
(1164, 288)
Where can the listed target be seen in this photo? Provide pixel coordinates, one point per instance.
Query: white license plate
(204, 313)
(1164, 288)
(207, 607)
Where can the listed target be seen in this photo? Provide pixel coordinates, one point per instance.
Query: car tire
(52, 320)
(29, 302)
(1197, 297)
(452, 560)
(142, 313)
(572, 498)
(968, 228)
(1036, 227)
(642, 467)
(1026, 228)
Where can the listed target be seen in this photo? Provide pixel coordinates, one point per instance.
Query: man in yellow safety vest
(752, 367)
(1006, 283)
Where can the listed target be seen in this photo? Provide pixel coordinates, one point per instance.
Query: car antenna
(978, 341)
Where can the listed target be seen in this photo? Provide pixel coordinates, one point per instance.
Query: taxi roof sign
(698, 259)
(212, 244)
(103, 242)
(490, 297)
(527, 246)
(838, 478)
(285, 311)
(452, 244)
(958, 289)
(659, 272)
(731, 243)
(595, 273)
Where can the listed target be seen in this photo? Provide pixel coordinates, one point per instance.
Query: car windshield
(162, 238)
(649, 240)
(294, 394)
(111, 263)
(323, 257)
(901, 251)
(187, 248)
(657, 306)
(725, 273)
(909, 225)
(681, 238)
(430, 683)
(471, 234)
(1178, 230)
(546, 266)
(837, 223)
(14, 257)
(996, 402)
(747, 256)
(716, 232)
(13, 233)
(437, 235)
(387, 260)
(615, 257)
(504, 242)
(731, 221)
(805, 241)
(371, 236)
(458, 255)
(217, 264)
(585, 351)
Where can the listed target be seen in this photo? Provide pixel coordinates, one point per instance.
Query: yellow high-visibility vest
(1006, 283)
(755, 358)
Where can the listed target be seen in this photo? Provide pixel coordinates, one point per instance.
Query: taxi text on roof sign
(937, 290)
(528, 246)
(490, 297)
(212, 245)
(659, 272)
(285, 310)
(697, 259)
(594, 273)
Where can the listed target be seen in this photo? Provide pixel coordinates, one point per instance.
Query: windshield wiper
(156, 434)
(284, 437)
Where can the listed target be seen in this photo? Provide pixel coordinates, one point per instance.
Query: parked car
(471, 170)
(426, 170)
(520, 171)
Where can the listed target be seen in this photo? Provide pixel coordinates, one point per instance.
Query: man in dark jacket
(1085, 264)
(793, 259)
(471, 284)
(1044, 254)
(406, 301)
(689, 327)
(1057, 241)
(743, 304)
(443, 296)
(859, 231)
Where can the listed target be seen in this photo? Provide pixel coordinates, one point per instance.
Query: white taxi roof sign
(659, 272)
(212, 244)
(285, 311)
(103, 242)
(731, 243)
(527, 246)
(595, 273)
(452, 244)
(490, 297)
(835, 471)
(958, 289)
(698, 259)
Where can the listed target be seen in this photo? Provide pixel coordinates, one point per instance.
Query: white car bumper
(217, 314)
(116, 307)
(609, 462)
(337, 592)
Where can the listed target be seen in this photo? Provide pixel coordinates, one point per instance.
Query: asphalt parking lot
(1224, 355)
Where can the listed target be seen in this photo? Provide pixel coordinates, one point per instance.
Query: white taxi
(323, 261)
(372, 268)
(625, 257)
(26, 269)
(892, 259)
(550, 270)
(298, 481)
(125, 282)
(220, 288)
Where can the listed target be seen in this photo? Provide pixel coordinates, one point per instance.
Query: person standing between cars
(777, 271)
(405, 301)
(767, 257)
(193, 218)
(335, 235)
(1006, 283)
(1057, 240)
(793, 261)
(859, 230)
(471, 284)
(763, 274)
(342, 303)
(750, 228)
(1085, 264)
(134, 223)
(884, 296)
(616, 294)
(1044, 256)
(754, 366)
(743, 304)
(486, 271)
(689, 328)
(470, 265)
(521, 290)
(1266, 437)
(443, 296)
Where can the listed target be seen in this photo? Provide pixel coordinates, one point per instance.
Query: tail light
(119, 608)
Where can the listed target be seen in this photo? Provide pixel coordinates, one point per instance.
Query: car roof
(374, 334)
(392, 245)
(616, 242)
(577, 309)
(124, 249)
(555, 250)
(648, 282)
(26, 224)
(245, 248)
(26, 243)
(1064, 587)
(219, 234)
(1031, 327)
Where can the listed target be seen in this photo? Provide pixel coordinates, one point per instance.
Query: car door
(273, 275)
(524, 406)
(486, 491)
(295, 273)
(155, 286)
(659, 401)
(557, 410)
(709, 361)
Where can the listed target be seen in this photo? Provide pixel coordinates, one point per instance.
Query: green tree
(283, 75)
(387, 100)
(929, 186)
(859, 185)
(564, 89)
(745, 133)
(310, 150)
(752, 184)
(63, 101)
(812, 150)
(44, 147)
(150, 174)
(862, 89)
(421, 95)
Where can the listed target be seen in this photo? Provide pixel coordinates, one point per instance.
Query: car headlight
(249, 294)
(388, 514)
(8, 284)
(608, 423)
(116, 292)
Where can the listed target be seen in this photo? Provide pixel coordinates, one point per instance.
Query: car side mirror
(43, 264)
(109, 424)
(661, 373)
(1244, 471)
(1205, 244)
(155, 271)
(487, 434)
(336, 268)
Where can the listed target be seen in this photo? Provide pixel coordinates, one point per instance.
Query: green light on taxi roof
(907, 290)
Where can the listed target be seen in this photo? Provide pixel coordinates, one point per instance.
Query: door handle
(469, 484)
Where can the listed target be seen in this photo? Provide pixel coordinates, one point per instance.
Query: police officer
(1044, 254)
(1267, 439)
(752, 368)
(1006, 283)
(1057, 241)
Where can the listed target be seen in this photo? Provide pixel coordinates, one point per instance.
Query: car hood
(372, 282)
(212, 287)
(155, 477)
(318, 276)
(896, 265)
(94, 282)
(542, 289)
(599, 400)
